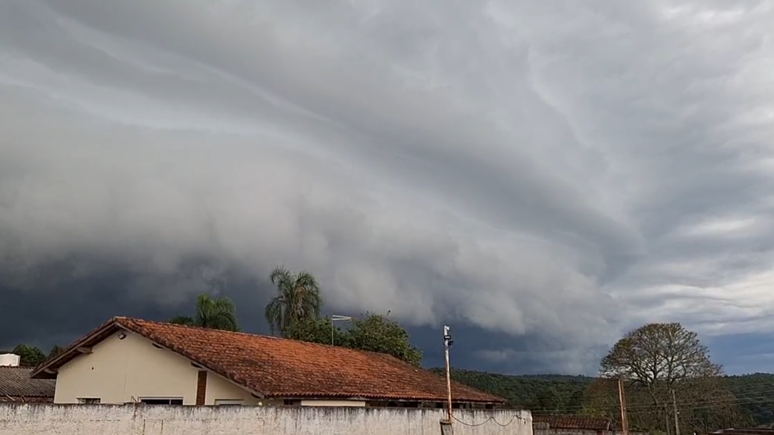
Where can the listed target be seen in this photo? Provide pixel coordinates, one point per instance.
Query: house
(128, 360)
(17, 386)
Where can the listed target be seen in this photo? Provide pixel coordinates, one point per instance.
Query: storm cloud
(542, 175)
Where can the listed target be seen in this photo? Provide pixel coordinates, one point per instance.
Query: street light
(447, 342)
(337, 318)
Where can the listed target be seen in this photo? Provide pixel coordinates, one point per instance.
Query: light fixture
(337, 318)
(121, 336)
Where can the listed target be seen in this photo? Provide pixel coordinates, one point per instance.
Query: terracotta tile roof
(16, 385)
(572, 422)
(280, 368)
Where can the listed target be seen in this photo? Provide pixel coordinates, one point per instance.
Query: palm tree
(216, 313)
(298, 298)
(211, 312)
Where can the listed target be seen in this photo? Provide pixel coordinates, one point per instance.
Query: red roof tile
(280, 368)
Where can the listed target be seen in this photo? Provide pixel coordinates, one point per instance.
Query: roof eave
(47, 369)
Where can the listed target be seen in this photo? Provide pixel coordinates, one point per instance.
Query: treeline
(31, 356)
(579, 395)
(555, 394)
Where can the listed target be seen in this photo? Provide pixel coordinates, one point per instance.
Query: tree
(298, 299)
(373, 333)
(183, 320)
(56, 350)
(659, 360)
(319, 330)
(216, 313)
(376, 333)
(548, 400)
(211, 312)
(30, 356)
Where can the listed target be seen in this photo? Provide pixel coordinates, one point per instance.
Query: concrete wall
(554, 431)
(253, 420)
(121, 371)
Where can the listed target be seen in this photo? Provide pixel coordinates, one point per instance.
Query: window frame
(145, 400)
(89, 400)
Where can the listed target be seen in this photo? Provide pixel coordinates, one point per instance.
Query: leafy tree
(549, 400)
(376, 333)
(183, 320)
(319, 330)
(211, 312)
(373, 333)
(31, 356)
(298, 298)
(216, 313)
(660, 361)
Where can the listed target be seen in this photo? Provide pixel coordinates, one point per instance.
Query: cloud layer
(546, 172)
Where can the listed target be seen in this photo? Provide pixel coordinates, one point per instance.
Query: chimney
(9, 360)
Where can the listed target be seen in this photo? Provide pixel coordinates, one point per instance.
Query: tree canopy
(664, 365)
(298, 299)
(30, 356)
(373, 333)
(211, 312)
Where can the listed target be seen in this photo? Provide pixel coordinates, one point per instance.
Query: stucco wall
(555, 431)
(121, 371)
(157, 420)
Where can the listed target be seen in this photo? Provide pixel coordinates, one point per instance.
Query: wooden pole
(622, 402)
(677, 420)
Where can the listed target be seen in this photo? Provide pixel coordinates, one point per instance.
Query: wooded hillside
(560, 394)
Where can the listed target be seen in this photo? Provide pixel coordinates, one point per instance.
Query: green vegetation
(372, 333)
(554, 394)
(295, 314)
(753, 393)
(298, 300)
(668, 378)
(211, 312)
(31, 356)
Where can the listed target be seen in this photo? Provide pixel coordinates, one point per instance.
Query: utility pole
(677, 420)
(622, 402)
(447, 342)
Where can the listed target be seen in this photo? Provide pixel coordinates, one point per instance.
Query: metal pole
(448, 371)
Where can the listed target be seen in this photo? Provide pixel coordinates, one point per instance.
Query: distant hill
(562, 394)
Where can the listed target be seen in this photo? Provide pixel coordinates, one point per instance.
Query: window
(89, 400)
(228, 402)
(156, 401)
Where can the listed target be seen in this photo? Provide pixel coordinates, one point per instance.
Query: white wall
(120, 371)
(157, 420)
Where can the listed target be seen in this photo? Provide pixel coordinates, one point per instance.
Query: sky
(540, 176)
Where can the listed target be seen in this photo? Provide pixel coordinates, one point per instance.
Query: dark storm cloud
(543, 174)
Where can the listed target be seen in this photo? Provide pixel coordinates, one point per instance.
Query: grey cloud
(530, 169)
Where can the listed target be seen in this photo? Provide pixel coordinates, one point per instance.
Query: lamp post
(447, 342)
(337, 318)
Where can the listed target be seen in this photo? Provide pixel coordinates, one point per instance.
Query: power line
(513, 418)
